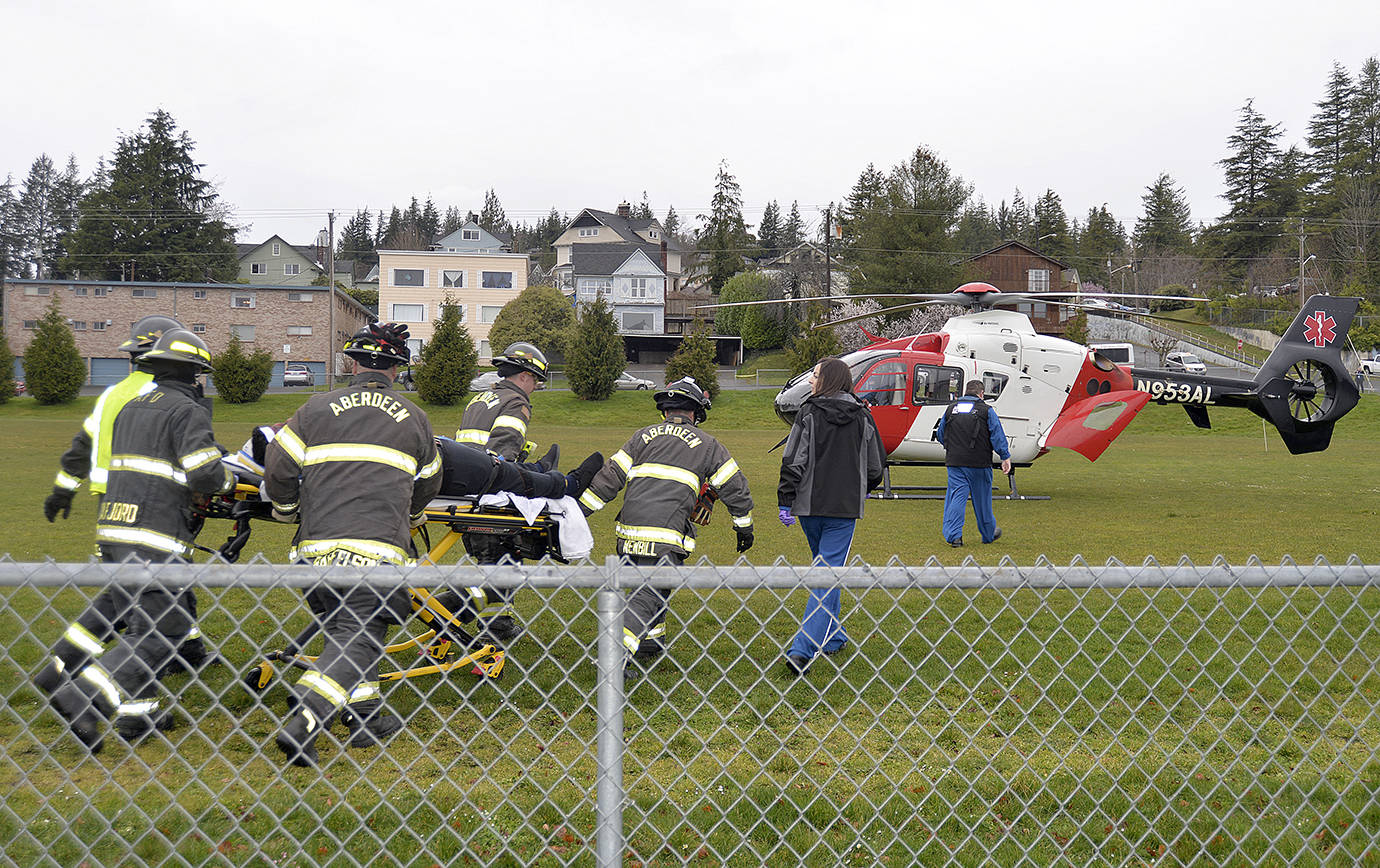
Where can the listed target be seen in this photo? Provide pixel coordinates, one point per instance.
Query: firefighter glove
(59, 501)
(744, 538)
(786, 518)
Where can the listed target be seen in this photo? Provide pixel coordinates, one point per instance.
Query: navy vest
(967, 439)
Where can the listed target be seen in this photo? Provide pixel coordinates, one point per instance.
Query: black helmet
(178, 346)
(684, 394)
(146, 332)
(379, 346)
(524, 357)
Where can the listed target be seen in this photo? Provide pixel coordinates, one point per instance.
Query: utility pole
(1303, 299)
(828, 261)
(330, 302)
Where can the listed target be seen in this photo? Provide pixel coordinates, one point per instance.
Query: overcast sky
(299, 108)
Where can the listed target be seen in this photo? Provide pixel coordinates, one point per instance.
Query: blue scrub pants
(966, 483)
(821, 630)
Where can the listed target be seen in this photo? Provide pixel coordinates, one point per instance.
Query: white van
(1122, 354)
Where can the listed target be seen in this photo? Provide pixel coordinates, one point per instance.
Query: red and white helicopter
(1050, 392)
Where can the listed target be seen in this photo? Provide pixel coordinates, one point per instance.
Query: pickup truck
(1370, 367)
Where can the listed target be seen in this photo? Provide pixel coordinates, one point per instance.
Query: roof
(627, 228)
(308, 251)
(605, 259)
(1022, 245)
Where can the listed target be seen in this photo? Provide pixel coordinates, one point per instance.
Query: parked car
(1186, 362)
(298, 375)
(486, 380)
(628, 381)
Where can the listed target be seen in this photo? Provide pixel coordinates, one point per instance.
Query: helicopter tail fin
(1304, 387)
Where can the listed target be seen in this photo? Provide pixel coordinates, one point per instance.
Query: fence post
(609, 712)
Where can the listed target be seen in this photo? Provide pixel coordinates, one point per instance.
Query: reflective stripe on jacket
(162, 451)
(664, 466)
(355, 464)
(89, 454)
(496, 420)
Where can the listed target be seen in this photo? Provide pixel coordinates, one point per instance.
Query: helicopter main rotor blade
(809, 298)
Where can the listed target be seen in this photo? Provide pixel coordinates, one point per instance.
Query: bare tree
(1163, 345)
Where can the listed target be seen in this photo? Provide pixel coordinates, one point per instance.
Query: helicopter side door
(934, 388)
(884, 389)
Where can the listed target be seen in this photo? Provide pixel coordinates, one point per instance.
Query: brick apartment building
(291, 322)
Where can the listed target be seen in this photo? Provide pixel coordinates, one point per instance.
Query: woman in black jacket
(833, 457)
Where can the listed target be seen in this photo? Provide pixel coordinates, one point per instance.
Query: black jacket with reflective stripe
(355, 464)
(492, 418)
(162, 450)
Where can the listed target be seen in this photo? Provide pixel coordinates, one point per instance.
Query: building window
(651, 233)
(258, 268)
(277, 249)
(414, 348)
(198, 328)
(198, 293)
(292, 268)
(489, 312)
(1038, 280)
(497, 279)
(244, 332)
(101, 291)
(37, 290)
(299, 331)
(79, 291)
(242, 299)
(78, 325)
(638, 322)
(30, 324)
(638, 288)
(453, 279)
(98, 326)
(589, 231)
(143, 292)
(409, 277)
(469, 234)
(596, 286)
(485, 351)
(458, 308)
(300, 296)
(408, 313)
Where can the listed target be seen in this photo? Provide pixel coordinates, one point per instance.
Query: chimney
(624, 210)
(663, 257)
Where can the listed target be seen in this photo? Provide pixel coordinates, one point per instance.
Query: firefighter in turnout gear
(670, 469)
(356, 468)
(162, 451)
(496, 420)
(89, 457)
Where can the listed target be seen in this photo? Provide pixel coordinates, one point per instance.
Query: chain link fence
(1154, 714)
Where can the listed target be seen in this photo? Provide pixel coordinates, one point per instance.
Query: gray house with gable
(473, 238)
(625, 276)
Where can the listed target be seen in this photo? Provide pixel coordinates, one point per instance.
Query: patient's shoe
(551, 460)
(577, 480)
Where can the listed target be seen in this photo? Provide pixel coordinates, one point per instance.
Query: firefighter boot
(50, 677)
(192, 656)
(502, 628)
(548, 462)
(577, 480)
(297, 738)
(83, 714)
(134, 727)
(369, 724)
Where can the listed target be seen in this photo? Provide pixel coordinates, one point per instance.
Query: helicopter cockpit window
(884, 385)
(992, 384)
(936, 385)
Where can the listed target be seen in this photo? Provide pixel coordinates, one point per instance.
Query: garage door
(107, 372)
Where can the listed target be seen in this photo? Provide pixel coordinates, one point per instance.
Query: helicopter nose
(791, 396)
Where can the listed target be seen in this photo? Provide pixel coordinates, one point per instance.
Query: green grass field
(1131, 726)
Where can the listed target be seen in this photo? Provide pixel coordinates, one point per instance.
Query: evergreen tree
(11, 264)
(596, 355)
(1365, 113)
(866, 196)
(793, 231)
(54, 370)
(810, 345)
(1021, 221)
(68, 191)
(1166, 224)
(381, 231)
(977, 229)
(1102, 241)
(1331, 137)
(453, 221)
(724, 236)
(492, 218)
(155, 218)
(448, 361)
(6, 369)
(695, 357)
(38, 223)
(429, 224)
(241, 378)
(1253, 156)
(356, 243)
(1050, 231)
(769, 232)
(672, 222)
(539, 315)
(395, 231)
(643, 209)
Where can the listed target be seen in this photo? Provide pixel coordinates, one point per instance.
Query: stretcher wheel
(257, 677)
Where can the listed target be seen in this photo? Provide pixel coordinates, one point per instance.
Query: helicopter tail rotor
(1304, 387)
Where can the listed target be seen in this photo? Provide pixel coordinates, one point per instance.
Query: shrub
(805, 350)
(539, 315)
(240, 378)
(448, 361)
(761, 327)
(695, 358)
(1076, 329)
(6, 370)
(595, 355)
(54, 370)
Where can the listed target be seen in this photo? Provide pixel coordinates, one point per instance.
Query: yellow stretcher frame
(486, 660)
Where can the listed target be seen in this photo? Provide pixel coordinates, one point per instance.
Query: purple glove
(786, 518)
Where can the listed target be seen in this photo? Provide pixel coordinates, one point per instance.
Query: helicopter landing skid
(936, 492)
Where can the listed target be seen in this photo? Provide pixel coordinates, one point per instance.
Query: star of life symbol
(1319, 329)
